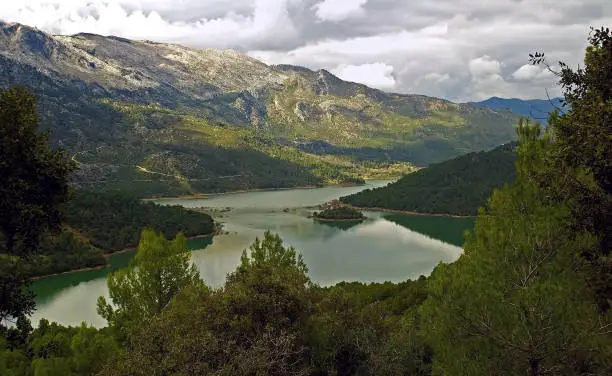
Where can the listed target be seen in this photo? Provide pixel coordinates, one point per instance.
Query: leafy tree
(515, 302)
(34, 176)
(91, 349)
(34, 182)
(159, 270)
(250, 327)
(579, 164)
(52, 349)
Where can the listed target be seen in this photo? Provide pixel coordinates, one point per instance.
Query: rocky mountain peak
(15, 36)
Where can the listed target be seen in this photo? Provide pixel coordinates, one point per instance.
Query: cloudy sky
(456, 49)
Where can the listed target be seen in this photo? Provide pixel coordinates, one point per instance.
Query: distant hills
(458, 186)
(162, 119)
(536, 109)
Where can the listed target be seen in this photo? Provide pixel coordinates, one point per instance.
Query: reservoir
(386, 247)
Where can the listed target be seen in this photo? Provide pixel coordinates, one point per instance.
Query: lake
(386, 247)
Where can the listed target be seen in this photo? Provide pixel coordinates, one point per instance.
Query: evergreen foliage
(113, 220)
(339, 213)
(33, 183)
(458, 186)
(158, 271)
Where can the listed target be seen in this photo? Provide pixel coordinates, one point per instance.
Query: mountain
(458, 186)
(536, 109)
(165, 119)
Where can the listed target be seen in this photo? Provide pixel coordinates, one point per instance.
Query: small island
(339, 214)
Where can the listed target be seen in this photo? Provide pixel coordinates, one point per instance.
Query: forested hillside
(114, 220)
(97, 223)
(458, 186)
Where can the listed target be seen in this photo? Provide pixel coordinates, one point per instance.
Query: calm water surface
(386, 247)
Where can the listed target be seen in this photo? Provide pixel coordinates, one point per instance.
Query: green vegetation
(96, 224)
(113, 221)
(269, 318)
(65, 251)
(254, 126)
(159, 270)
(458, 186)
(530, 295)
(34, 183)
(52, 349)
(42, 230)
(340, 213)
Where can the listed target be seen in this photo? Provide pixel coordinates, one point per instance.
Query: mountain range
(165, 119)
(535, 109)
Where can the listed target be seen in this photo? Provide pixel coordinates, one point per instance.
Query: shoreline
(132, 249)
(107, 255)
(408, 212)
(339, 220)
(211, 195)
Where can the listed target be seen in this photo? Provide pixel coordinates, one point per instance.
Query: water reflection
(383, 248)
(340, 225)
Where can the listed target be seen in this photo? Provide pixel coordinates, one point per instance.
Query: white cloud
(484, 67)
(530, 72)
(526, 72)
(338, 10)
(377, 75)
(457, 49)
(437, 77)
(269, 21)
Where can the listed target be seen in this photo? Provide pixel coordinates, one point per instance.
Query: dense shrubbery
(269, 318)
(339, 213)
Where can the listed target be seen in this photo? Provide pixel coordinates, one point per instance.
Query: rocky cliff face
(159, 99)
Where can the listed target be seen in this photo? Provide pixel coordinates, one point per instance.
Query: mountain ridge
(536, 109)
(211, 113)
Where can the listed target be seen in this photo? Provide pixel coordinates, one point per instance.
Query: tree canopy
(34, 183)
(457, 186)
(159, 271)
(531, 293)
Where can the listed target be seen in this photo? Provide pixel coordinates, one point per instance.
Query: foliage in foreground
(269, 318)
(531, 293)
(33, 183)
(159, 270)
